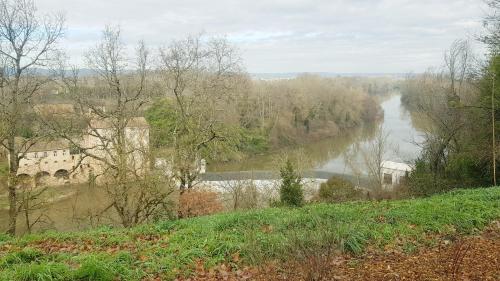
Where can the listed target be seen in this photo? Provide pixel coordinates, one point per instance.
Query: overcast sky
(342, 36)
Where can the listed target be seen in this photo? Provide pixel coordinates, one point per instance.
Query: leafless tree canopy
(28, 50)
(201, 76)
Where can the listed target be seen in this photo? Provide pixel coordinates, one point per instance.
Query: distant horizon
(365, 36)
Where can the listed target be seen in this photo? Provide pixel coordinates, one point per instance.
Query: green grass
(172, 247)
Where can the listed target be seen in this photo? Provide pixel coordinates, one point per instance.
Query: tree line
(459, 103)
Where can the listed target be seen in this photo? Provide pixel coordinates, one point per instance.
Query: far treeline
(460, 107)
(260, 115)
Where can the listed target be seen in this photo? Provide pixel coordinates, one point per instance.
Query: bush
(337, 189)
(162, 117)
(193, 203)
(252, 141)
(291, 193)
(422, 182)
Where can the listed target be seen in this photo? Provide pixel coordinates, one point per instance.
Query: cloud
(288, 35)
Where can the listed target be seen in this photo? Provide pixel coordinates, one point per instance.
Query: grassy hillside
(172, 248)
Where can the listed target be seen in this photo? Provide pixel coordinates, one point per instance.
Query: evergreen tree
(291, 193)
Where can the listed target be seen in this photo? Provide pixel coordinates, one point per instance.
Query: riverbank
(186, 247)
(327, 155)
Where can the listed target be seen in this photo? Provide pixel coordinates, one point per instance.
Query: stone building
(100, 139)
(55, 162)
(48, 162)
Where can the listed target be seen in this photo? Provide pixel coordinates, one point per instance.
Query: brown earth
(463, 258)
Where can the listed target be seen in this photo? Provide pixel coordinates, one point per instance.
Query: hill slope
(169, 249)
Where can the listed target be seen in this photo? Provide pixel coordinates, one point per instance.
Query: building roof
(396, 166)
(134, 122)
(54, 109)
(41, 145)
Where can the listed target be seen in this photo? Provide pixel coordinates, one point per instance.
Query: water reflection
(328, 155)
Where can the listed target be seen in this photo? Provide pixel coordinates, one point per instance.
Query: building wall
(48, 161)
(137, 146)
(57, 167)
(54, 166)
(396, 176)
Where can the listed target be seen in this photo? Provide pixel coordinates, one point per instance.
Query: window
(55, 153)
(387, 178)
(35, 155)
(45, 154)
(64, 152)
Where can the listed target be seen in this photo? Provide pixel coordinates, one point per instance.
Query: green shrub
(422, 182)
(337, 189)
(291, 193)
(162, 117)
(252, 141)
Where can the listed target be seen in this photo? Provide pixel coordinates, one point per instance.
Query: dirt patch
(466, 258)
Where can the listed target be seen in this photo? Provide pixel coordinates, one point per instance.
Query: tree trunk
(12, 185)
(12, 207)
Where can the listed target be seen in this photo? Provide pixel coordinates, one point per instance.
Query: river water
(330, 155)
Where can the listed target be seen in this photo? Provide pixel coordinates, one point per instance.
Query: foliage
(162, 117)
(40, 272)
(291, 192)
(253, 141)
(461, 104)
(457, 146)
(337, 189)
(307, 108)
(310, 108)
(171, 248)
(194, 203)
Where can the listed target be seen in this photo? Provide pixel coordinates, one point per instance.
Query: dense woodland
(459, 104)
(263, 115)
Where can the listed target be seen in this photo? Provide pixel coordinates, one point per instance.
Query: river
(330, 155)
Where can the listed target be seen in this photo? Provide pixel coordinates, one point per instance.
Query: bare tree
(351, 160)
(242, 193)
(200, 77)
(458, 65)
(28, 45)
(492, 25)
(113, 139)
(444, 99)
(32, 205)
(374, 155)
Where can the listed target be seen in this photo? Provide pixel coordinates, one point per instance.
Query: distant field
(173, 248)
